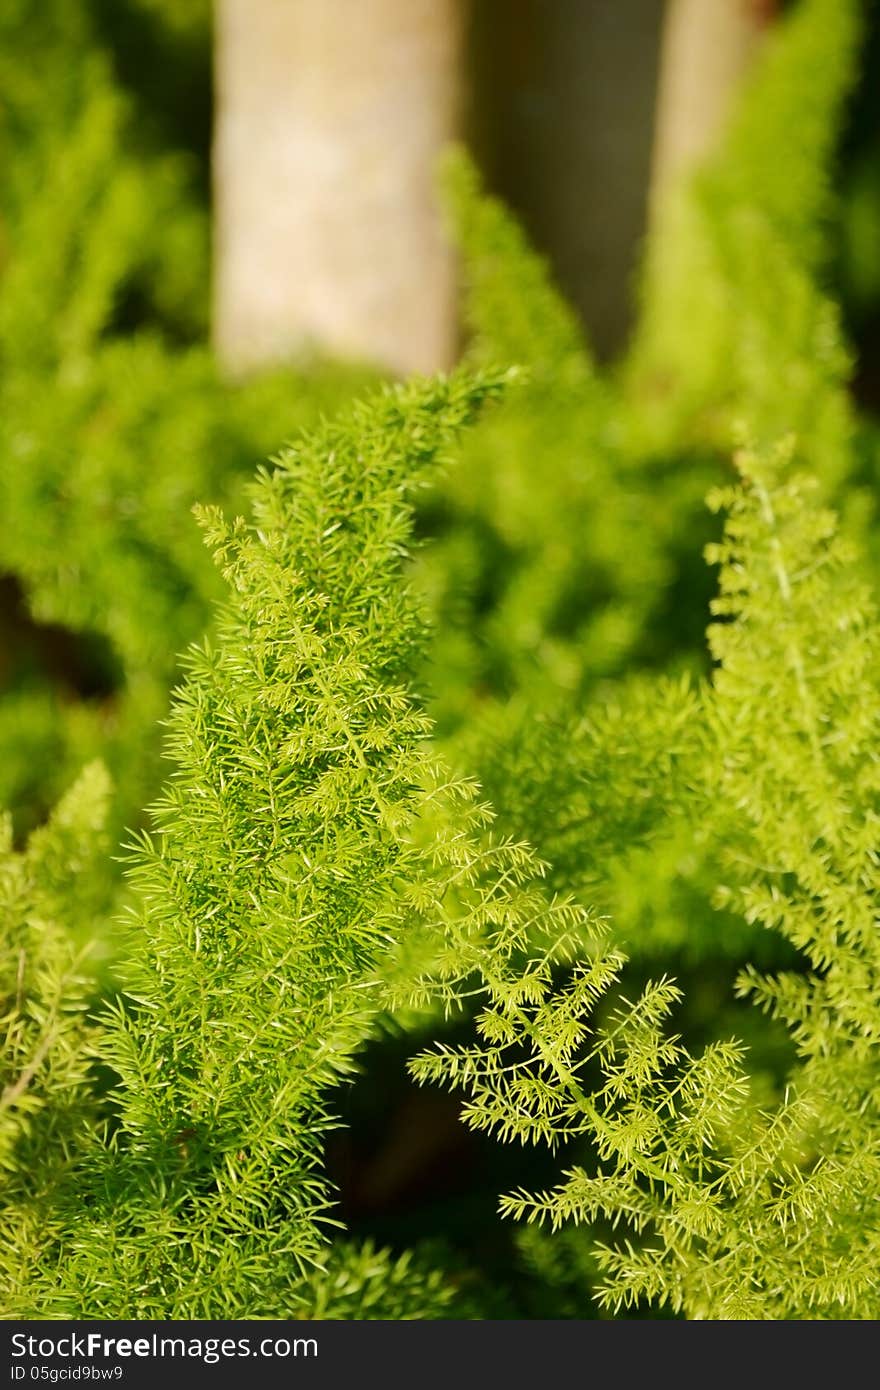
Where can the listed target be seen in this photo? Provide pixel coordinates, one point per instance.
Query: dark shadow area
(79, 665)
(408, 1171)
(857, 265)
(168, 71)
(560, 110)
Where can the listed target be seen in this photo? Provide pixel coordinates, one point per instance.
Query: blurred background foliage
(115, 419)
(563, 559)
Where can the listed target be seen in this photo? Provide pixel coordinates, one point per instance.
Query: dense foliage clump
(454, 778)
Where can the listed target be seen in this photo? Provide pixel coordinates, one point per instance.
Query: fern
(742, 252)
(533, 580)
(109, 436)
(319, 871)
(739, 1212)
(269, 892)
(561, 560)
(88, 217)
(366, 1283)
(50, 893)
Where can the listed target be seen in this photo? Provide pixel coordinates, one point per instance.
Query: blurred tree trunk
(330, 117)
(707, 48)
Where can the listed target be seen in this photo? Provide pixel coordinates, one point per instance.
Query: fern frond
(268, 890)
(49, 895)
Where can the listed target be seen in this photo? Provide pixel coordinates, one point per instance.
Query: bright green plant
(743, 253)
(524, 600)
(740, 1211)
(50, 894)
(570, 537)
(108, 435)
(439, 792)
(261, 905)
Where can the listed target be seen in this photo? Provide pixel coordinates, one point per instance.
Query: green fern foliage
(618, 804)
(532, 577)
(742, 252)
(50, 894)
(453, 775)
(536, 327)
(366, 1283)
(115, 420)
(560, 562)
(97, 478)
(735, 1210)
(89, 216)
(47, 907)
(268, 892)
